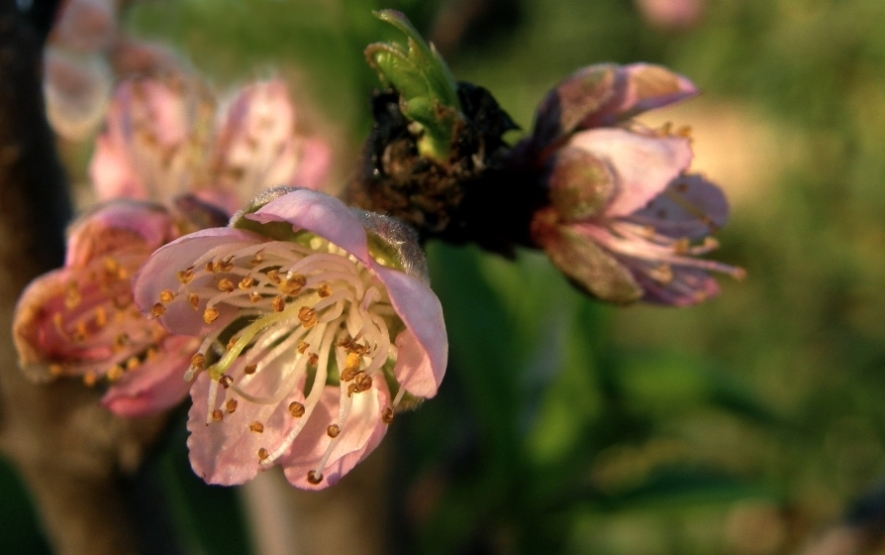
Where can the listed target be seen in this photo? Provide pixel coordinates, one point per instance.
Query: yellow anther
(121, 341)
(256, 427)
(226, 285)
(250, 369)
(101, 317)
(89, 378)
(278, 303)
(333, 430)
(80, 333)
(231, 342)
(254, 296)
(308, 316)
(56, 369)
(274, 277)
(324, 291)
(387, 415)
(230, 406)
(198, 361)
(210, 315)
(682, 246)
(293, 284)
(166, 296)
(312, 359)
(115, 373)
(302, 346)
(217, 415)
(194, 300)
(296, 409)
(132, 363)
(246, 283)
(158, 310)
(186, 276)
(226, 265)
(72, 295)
(263, 454)
(226, 381)
(257, 259)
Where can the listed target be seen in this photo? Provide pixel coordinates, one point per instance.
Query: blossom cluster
(299, 325)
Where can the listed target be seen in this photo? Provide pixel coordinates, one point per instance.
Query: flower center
(293, 317)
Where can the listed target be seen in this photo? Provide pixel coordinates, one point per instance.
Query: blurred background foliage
(747, 425)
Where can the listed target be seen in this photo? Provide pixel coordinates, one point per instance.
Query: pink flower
(316, 323)
(623, 214)
(163, 138)
(81, 321)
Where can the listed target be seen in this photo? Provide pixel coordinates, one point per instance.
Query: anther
(158, 310)
(308, 316)
(278, 303)
(72, 295)
(250, 369)
(257, 259)
(194, 300)
(230, 406)
(314, 477)
(210, 315)
(198, 361)
(296, 409)
(132, 363)
(80, 333)
(312, 359)
(58, 370)
(121, 341)
(226, 265)
(263, 454)
(226, 285)
(186, 276)
(115, 373)
(302, 346)
(89, 378)
(231, 342)
(254, 296)
(387, 415)
(226, 381)
(246, 283)
(256, 427)
(274, 277)
(682, 246)
(293, 284)
(324, 291)
(217, 415)
(333, 430)
(101, 317)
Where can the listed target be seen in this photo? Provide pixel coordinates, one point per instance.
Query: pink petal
(77, 92)
(649, 86)
(314, 164)
(161, 272)
(112, 173)
(643, 165)
(118, 226)
(360, 435)
(320, 214)
(86, 24)
(226, 452)
(689, 286)
(156, 385)
(423, 346)
(690, 207)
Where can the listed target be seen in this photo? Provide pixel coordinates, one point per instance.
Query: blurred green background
(746, 425)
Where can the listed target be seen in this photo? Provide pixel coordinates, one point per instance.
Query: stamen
(217, 415)
(296, 409)
(225, 285)
(231, 406)
(314, 477)
(210, 315)
(308, 316)
(186, 276)
(256, 427)
(158, 310)
(387, 415)
(194, 300)
(333, 430)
